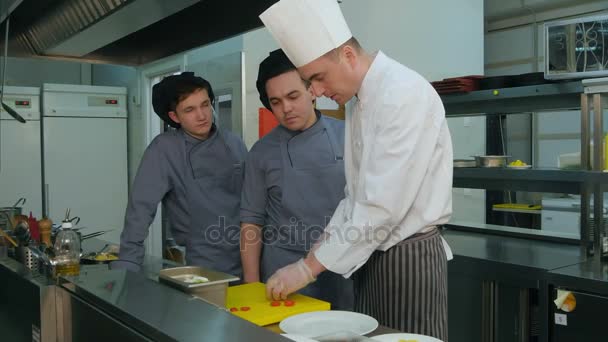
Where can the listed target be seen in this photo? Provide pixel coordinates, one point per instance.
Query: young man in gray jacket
(196, 172)
(294, 180)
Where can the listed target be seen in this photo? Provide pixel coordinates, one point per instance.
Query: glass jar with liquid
(67, 251)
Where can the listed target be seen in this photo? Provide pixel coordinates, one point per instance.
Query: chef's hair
(185, 88)
(277, 63)
(352, 42)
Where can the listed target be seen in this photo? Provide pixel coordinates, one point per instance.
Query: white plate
(523, 167)
(407, 337)
(298, 338)
(320, 323)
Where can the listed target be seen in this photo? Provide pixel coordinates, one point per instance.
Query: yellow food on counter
(517, 163)
(106, 257)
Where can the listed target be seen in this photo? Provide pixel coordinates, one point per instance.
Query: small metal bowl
(465, 163)
(491, 161)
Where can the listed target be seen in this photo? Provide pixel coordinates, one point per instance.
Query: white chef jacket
(398, 165)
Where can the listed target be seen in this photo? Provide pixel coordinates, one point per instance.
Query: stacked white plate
(320, 323)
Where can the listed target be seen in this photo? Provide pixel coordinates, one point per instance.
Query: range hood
(127, 32)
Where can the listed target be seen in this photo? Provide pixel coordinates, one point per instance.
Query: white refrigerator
(20, 156)
(85, 155)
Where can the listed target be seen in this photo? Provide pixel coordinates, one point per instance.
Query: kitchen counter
(116, 304)
(160, 312)
(149, 310)
(590, 275)
(508, 258)
(513, 251)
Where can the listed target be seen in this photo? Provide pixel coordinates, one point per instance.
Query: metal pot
(491, 161)
(7, 213)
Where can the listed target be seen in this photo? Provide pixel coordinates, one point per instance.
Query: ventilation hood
(128, 32)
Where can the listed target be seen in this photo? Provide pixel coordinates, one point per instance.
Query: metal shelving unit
(583, 95)
(532, 180)
(536, 98)
(590, 181)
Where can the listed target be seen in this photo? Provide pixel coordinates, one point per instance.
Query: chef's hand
(288, 280)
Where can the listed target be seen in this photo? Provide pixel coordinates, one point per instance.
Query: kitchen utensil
(94, 234)
(491, 161)
(213, 290)
(9, 238)
(19, 202)
(7, 214)
(320, 323)
(22, 233)
(45, 227)
(13, 113)
(27, 257)
(465, 163)
(98, 258)
(41, 255)
(517, 206)
(261, 312)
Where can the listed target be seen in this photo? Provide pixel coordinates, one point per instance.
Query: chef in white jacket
(398, 164)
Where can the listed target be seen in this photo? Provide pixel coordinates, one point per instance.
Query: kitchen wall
(257, 44)
(32, 72)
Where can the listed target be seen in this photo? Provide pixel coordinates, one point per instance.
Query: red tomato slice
(290, 303)
(275, 303)
(245, 308)
(233, 309)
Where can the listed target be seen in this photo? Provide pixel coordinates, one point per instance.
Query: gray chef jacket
(166, 174)
(293, 184)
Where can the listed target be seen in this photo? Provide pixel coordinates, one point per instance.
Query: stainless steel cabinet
(586, 323)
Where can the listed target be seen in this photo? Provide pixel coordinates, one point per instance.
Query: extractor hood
(128, 32)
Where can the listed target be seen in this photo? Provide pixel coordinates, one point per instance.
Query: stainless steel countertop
(163, 313)
(527, 253)
(591, 275)
(516, 261)
(160, 312)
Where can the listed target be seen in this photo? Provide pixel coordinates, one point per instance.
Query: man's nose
(287, 107)
(318, 89)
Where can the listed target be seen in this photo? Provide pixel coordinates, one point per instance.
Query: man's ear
(312, 93)
(349, 55)
(173, 116)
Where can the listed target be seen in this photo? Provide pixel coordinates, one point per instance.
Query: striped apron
(405, 288)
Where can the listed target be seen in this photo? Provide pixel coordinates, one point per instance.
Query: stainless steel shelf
(536, 98)
(532, 180)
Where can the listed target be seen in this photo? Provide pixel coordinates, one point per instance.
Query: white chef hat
(306, 29)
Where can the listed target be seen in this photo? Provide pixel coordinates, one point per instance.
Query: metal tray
(213, 291)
